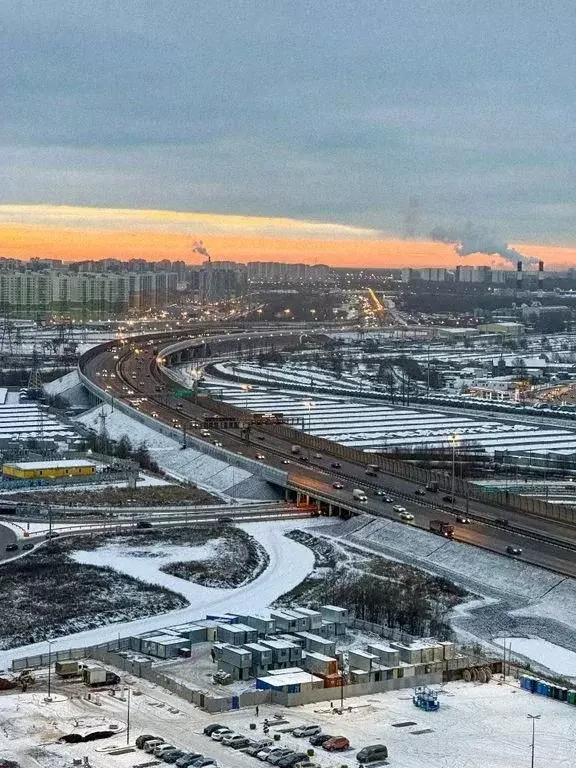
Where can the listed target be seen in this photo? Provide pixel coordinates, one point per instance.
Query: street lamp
(454, 439)
(309, 404)
(246, 388)
(533, 718)
(49, 697)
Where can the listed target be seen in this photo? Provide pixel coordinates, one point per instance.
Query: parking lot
(476, 726)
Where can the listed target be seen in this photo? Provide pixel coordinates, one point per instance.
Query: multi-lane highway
(135, 376)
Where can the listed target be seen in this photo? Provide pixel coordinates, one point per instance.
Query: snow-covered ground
(477, 726)
(289, 564)
(550, 655)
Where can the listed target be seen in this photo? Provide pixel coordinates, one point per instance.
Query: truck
(359, 495)
(372, 469)
(432, 486)
(442, 528)
(93, 675)
(67, 668)
(295, 449)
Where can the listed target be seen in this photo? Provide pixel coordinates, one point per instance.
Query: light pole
(246, 388)
(454, 439)
(533, 718)
(128, 717)
(49, 697)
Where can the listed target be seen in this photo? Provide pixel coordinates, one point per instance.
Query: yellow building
(35, 470)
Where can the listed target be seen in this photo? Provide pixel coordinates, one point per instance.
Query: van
(372, 753)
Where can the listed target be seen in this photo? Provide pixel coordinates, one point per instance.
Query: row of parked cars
(267, 751)
(157, 746)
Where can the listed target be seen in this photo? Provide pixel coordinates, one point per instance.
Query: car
(11, 547)
(372, 753)
(143, 524)
(279, 754)
(257, 746)
(171, 755)
(142, 739)
(150, 744)
(337, 744)
(52, 535)
(420, 492)
(261, 437)
(28, 545)
(501, 521)
(399, 508)
(306, 730)
(463, 520)
(154, 414)
(220, 733)
(336, 465)
(260, 457)
(202, 762)
(510, 550)
(158, 750)
(449, 499)
(317, 455)
(187, 759)
(263, 753)
(319, 739)
(379, 493)
(290, 760)
(217, 443)
(406, 516)
(238, 741)
(338, 486)
(205, 433)
(285, 461)
(387, 499)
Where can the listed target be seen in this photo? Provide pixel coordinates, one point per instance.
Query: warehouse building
(48, 470)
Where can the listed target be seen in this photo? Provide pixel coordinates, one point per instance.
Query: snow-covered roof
(63, 464)
(294, 678)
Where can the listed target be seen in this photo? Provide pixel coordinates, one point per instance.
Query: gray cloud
(323, 110)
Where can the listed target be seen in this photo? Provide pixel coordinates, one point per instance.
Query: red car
(337, 744)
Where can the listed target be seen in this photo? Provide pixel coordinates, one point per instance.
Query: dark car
(510, 550)
(387, 499)
(209, 729)
(11, 547)
(28, 545)
(297, 757)
(141, 739)
(420, 492)
(319, 739)
(171, 755)
(463, 520)
(187, 759)
(501, 521)
(336, 465)
(52, 535)
(143, 524)
(449, 499)
(372, 753)
(202, 761)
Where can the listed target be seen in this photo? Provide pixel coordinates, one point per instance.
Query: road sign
(183, 393)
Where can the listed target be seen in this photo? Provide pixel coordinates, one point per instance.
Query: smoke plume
(473, 240)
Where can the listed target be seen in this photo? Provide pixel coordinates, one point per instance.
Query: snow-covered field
(289, 564)
(477, 726)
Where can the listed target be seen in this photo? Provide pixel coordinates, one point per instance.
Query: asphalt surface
(7, 537)
(129, 375)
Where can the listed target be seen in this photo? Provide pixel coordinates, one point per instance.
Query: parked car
(338, 486)
(202, 762)
(290, 760)
(319, 739)
(278, 754)
(187, 759)
(158, 750)
(209, 729)
(306, 730)
(235, 740)
(142, 739)
(372, 753)
(171, 755)
(220, 733)
(337, 744)
(151, 744)
(263, 753)
(258, 746)
(510, 550)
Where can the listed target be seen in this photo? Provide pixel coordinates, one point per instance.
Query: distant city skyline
(75, 233)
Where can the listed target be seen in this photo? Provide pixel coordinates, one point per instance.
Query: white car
(220, 733)
(407, 516)
(399, 508)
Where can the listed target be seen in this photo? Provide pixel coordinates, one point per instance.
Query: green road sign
(183, 393)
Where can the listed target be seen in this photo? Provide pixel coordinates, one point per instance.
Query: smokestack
(518, 275)
(540, 272)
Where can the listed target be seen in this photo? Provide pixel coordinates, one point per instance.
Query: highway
(129, 375)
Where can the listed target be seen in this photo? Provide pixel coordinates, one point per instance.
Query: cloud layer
(320, 111)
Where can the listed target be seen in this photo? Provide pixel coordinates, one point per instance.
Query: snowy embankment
(289, 564)
(189, 465)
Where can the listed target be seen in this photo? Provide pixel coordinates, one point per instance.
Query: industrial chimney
(518, 276)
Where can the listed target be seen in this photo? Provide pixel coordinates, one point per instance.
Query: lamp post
(454, 439)
(49, 697)
(533, 718)
(128, 717)
(309, 404)
(246, 388)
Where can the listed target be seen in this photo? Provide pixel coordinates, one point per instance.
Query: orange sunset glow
(89, 233)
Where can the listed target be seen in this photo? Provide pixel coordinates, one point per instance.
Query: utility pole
(533, 718)
(128, 717)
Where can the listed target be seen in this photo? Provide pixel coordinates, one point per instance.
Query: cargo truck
(442, 528)
(359, 495)
(94, 675)
(68, 668)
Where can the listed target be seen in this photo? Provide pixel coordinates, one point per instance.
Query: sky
(372, 121)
